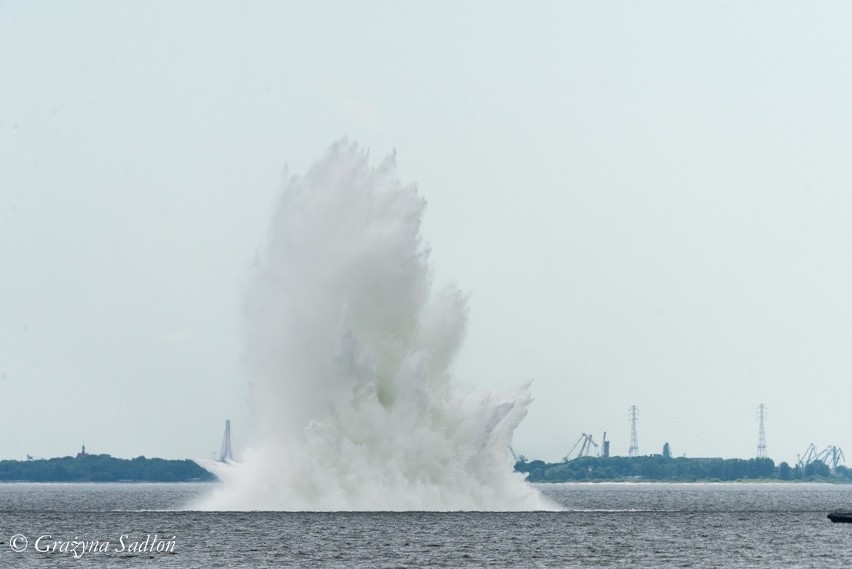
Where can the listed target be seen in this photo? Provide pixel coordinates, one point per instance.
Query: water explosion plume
(349, 353)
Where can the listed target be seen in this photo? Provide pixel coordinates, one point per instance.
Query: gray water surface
(603, 525)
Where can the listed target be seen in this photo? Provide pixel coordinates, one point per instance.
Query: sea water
(602, 525)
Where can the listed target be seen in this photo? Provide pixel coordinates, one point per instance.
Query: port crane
(808, 457)
(585, 443)
(830, 455)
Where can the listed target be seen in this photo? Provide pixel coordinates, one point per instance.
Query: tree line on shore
(102, 468)
(679, 469)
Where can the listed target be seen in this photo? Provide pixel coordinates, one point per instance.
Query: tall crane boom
(585, 442)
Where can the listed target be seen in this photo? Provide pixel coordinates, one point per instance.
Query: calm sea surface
(604, 525)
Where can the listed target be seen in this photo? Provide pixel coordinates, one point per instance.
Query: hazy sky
(648, 202)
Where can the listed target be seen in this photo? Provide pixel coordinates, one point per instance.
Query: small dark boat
(839, 516)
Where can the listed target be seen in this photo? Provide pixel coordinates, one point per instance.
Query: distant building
(82, 453)
(667, 451)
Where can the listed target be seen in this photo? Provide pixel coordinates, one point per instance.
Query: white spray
(349, 353)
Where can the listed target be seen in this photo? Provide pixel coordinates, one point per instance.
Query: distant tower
(667, 451)
(226, 455)
(605, 447)
(761, 431)
(634, 439)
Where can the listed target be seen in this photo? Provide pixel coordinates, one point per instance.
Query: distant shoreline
(744, 481)
(657, 468)
(93, 482)
(98, 468)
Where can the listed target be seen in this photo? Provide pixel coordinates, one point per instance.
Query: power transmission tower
(761, 432)
(634, 439)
